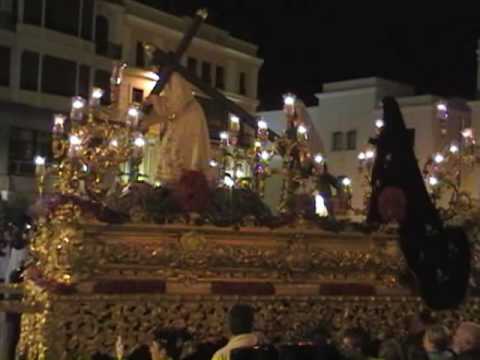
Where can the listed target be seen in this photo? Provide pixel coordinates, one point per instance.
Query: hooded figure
(184, 143)
(438, 256)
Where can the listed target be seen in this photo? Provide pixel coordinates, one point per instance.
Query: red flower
(392, 204)
(192, 192)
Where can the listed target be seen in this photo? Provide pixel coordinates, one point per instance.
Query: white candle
(133, 116)
(224, 136)
(58, 124)
(320, 208)
(78, 107)
(289, 103)
(95, 96)
(40, 162)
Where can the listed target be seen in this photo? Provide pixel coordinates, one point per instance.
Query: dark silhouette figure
(439, 256)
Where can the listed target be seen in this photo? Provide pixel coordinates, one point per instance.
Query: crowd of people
(425, 339)
(14, 227)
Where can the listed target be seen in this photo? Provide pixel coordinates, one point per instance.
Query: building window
(84, 81)
(102, 80)
(352, 140)
(63, 16)
(140, 54)
(87, 19)
(337, 141)
(8, 15)
(32, 12)
(220, 78)
(29, 70)
(207, 72)
(216, 116)
(58, 85)
(25, 144)
(101, 34)
(192, 65)
(137, 95)
(242, 84)
(4, 66)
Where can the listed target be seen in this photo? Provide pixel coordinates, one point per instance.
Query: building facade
(51, 50)
(345, 120)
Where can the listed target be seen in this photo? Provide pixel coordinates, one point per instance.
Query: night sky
(306, 43)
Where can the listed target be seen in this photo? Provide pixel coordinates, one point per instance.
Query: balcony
(109, 50)
(7, 21)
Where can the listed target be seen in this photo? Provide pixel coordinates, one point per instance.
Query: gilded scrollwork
(193, 254)
(92, 323)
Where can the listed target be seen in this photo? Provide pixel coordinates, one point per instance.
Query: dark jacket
(403, 349)
(469, 355)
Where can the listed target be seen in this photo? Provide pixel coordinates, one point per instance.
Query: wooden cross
(170, 62)
(166, 71)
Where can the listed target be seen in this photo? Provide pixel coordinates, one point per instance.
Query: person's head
(392, 117)
(355, 340)
(241, 319)
(436, 339)
(467, 337)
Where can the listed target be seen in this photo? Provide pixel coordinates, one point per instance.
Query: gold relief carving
(61, 250)
(193, 256)
(92, 323)
(298, 256)
(192, 241)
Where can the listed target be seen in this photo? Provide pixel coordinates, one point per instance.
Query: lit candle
(289, 103)
(139, 141)
(318, 158)
(75, 140)
(438, 158)
(239, 174)
(467, 133)
(432, 181)
(234, 124)
(346, 182)
(442, 107)
(95, 96)
(302, 133)
(75, 145)
(379, 123)
(40, 162)
(265, 155)
(262, 129)
(320, 208)
(78, 107)
(369, 154)
(58, 124)
(454, 148)
(133, 116)
(224, 136)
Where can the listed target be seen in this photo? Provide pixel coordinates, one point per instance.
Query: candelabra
(260, 157)
(232, 158)
(298, 165)
(366, 159)
(98, 140)
(89, 148)
(444, 170)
